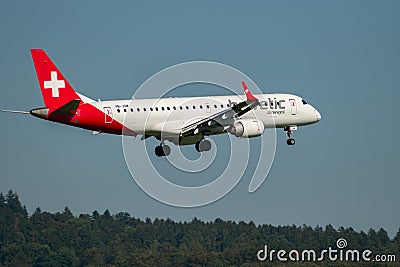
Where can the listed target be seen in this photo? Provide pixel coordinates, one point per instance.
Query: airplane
(180, 120)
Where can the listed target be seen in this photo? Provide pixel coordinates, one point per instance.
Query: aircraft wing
(223, 119)
(165, 129)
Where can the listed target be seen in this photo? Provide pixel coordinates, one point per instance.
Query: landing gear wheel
(289, 131)
(159, 151)
(166, 149)
(162, 150)
(291, 142)
(203, 145)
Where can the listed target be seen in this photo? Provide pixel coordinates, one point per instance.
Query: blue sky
(341, 56)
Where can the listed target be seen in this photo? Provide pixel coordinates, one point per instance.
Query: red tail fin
(56, 90)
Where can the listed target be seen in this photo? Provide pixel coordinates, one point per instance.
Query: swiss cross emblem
(54, 84)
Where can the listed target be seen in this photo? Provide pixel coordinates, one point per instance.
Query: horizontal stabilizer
(68, 109)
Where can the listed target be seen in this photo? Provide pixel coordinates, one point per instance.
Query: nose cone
(318, 115)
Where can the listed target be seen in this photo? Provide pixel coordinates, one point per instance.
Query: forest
(63, 239)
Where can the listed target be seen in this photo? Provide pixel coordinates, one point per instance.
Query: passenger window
(201, 107)
(131, 109)
(118, 110)
(144, 109)
(194, 107)
(174, 108)
(151, 109)
(215, 106)
(180, 107)
(156, 108)
(222, 106)
(138, 109)
(187, 107)
(124, 109)
(162, 108)
(168, 108)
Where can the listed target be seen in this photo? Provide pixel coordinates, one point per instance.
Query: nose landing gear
(291, 142)
(289, 130)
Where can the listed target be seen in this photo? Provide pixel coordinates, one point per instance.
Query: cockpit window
(304, 102)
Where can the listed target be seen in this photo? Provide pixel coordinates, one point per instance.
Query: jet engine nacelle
(247, 128)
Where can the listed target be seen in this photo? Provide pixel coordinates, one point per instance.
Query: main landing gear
(162, 150)
(203, 145)
(289, 130)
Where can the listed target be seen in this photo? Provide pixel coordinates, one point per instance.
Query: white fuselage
(171, 114)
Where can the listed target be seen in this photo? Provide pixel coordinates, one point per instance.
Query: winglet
(249, 95)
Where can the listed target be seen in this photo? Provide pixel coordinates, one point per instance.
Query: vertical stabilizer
(56, 90)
